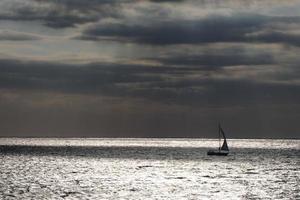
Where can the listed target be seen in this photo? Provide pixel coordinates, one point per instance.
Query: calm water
(148, 169)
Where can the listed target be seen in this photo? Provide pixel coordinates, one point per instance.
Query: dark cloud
(164, 84)
(213, 29)
(53, 18)
(235, 28)
(68, 13)
(276, 37)
(95, 78)
(60, 14)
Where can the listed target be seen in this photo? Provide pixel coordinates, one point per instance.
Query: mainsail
(224, 146)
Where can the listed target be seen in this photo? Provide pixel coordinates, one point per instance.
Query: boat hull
(217, 153)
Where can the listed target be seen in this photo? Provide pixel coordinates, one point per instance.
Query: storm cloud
(65, 13)
(211, 29)
(165, 83)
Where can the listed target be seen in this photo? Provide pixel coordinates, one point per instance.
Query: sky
(149, 68)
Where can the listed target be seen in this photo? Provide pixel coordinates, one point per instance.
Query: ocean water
(148, 169)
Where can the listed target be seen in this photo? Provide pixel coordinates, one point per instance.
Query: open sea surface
(148, 169)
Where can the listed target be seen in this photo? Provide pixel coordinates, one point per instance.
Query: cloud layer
(153, 67)
(211, 29)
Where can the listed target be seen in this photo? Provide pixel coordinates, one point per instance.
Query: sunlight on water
(148, 169)
(153, 142)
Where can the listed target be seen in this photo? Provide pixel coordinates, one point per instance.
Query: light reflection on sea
(148, 169)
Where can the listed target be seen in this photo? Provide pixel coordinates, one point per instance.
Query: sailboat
(223, 150)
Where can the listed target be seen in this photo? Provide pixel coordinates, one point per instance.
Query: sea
(138, 168)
